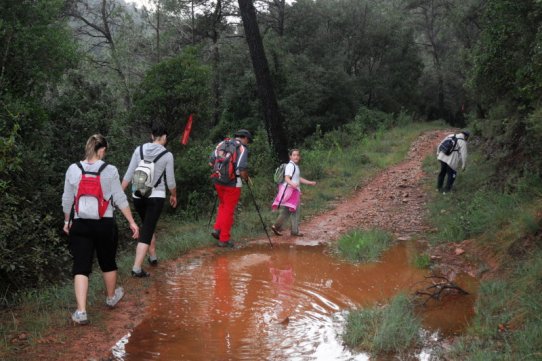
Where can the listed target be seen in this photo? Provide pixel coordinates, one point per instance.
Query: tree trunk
(215, 36)
(431, 33)
(273, 118)
(158, 32)
(216, 83)
(118, 66)
(193, 19)
(281, 5)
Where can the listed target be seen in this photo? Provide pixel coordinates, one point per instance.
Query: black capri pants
(149, 210)
(89, 235)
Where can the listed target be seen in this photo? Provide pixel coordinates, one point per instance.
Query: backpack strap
(455, 139)
(160, 156)
(160, 179)
(294, 168)
(102, 167)
(164, 173)
(156, 158)
(238, 145)
(80, 167)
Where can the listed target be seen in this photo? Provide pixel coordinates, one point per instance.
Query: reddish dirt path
(394, 200)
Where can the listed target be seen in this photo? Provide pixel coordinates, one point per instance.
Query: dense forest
(288, 71)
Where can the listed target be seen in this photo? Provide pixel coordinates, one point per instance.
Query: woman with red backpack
(91, 190)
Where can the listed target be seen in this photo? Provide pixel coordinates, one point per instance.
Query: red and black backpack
(224, 162)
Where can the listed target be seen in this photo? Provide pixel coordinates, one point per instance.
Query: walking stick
(213, 210)
(258, 211)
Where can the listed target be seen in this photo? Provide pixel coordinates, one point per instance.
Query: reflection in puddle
(262, 303)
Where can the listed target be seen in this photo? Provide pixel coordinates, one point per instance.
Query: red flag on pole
(187, 129)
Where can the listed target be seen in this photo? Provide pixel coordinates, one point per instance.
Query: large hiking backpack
(448, 145)
(89, 200)
(278, 177)
(142, 180)
(225, 157)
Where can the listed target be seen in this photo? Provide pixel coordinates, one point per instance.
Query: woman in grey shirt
(150, 207)
(88, 232)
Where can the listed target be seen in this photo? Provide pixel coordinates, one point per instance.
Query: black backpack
(448, 145)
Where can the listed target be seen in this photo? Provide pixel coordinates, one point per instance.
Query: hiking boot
(152, 262)
(276, 230)
(227, 244)
(80, 317)
(215, 233)
(112, 302)
(298, 234)
(140, 274)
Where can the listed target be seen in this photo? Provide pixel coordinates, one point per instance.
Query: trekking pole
(213, 210)
(258, 211)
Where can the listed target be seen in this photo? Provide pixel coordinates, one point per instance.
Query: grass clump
(364, 246)
(393, 328)
(422, 261)
(507, 325)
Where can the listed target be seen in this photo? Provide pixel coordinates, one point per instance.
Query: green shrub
(393, 328)
(422, 261)
(364, 246)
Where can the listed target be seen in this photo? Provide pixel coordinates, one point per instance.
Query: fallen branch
(439, 284)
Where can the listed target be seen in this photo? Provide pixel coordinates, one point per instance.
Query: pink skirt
(291, 198)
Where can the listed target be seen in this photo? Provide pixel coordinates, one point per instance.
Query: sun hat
(244, 133)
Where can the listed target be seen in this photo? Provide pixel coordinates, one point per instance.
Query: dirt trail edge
(393, 200)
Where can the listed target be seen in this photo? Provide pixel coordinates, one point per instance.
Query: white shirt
(292, 171)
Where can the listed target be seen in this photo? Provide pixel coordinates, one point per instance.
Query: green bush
(32, 247)
(422, 261)
(364, 246)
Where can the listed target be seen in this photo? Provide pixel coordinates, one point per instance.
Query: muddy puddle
(282, 303)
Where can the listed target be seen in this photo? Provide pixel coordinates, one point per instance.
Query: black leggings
(445, 169)
(149, 210)
(89, 235)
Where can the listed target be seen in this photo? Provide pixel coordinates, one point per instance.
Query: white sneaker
(80, 317)
(112, 302)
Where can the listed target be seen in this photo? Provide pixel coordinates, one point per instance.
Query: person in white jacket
(449, 164)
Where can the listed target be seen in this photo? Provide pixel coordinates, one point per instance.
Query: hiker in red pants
(230, 166)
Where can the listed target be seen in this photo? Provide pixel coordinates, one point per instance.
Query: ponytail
(94, 143)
